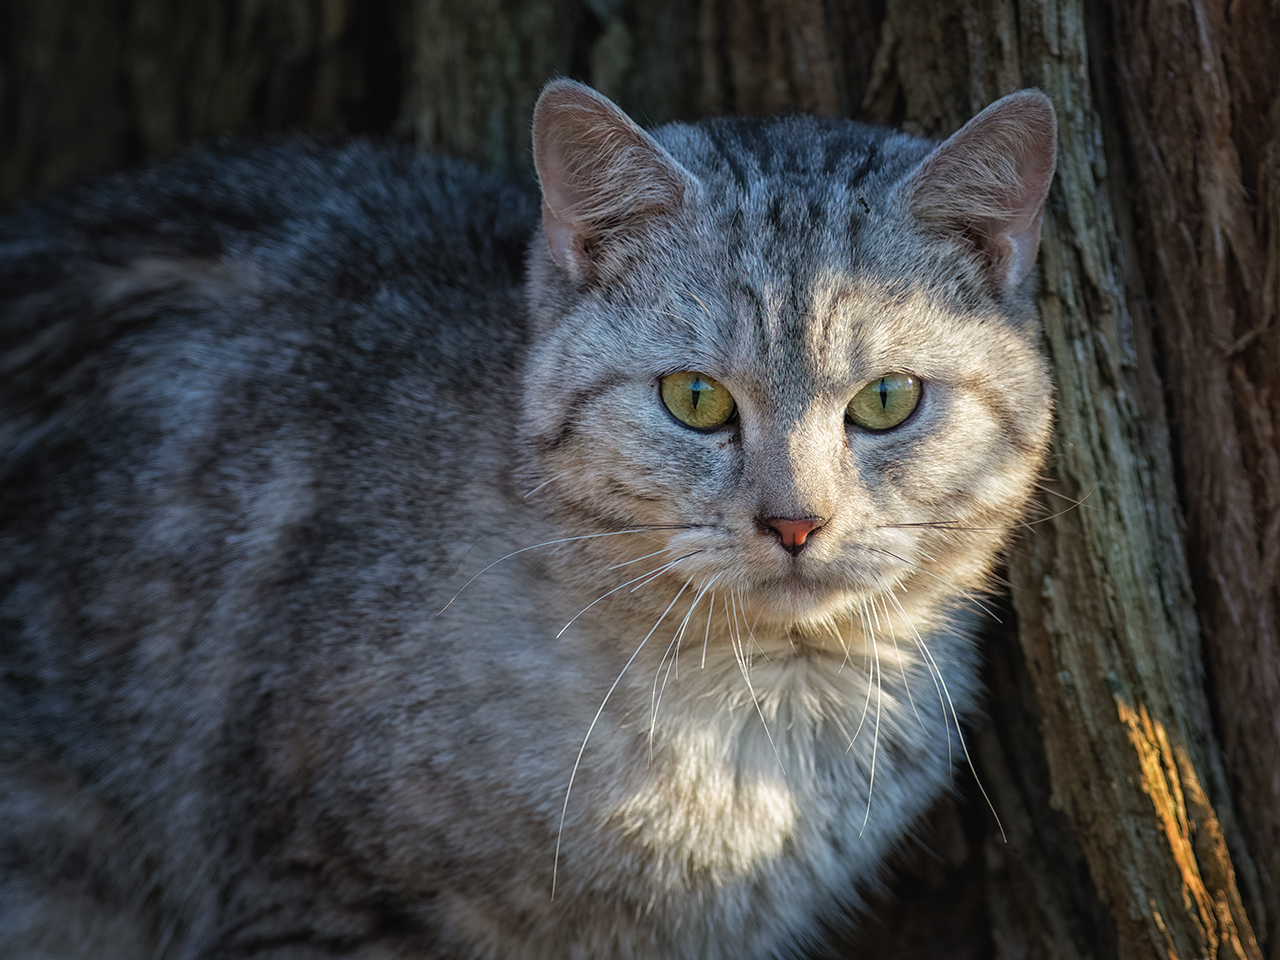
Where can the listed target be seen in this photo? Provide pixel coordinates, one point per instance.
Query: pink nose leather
(793, 533)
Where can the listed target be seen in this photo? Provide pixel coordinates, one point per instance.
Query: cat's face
(800, 398)
(905, 433)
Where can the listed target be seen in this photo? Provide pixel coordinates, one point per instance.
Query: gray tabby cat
(387, 577)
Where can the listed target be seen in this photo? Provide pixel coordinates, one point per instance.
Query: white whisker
(647, 577)
(655, 697)
(975, 600)
(706, 636)
(902, 666)
(875, 737)
(702, 592)
(932, 667)
(564, 810)
(744, 666)
(964, 746)
(866, 707)
(546, 543)
(848, 647)
(627, 563)
(551, 479)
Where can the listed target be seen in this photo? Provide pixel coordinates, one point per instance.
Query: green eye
(696, 400)
(885, 402)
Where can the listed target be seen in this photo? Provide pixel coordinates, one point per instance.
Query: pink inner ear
(1022, 247)
(990, 179)
(601, 175)
(560, 237)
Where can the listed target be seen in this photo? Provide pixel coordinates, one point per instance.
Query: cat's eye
(885, 402)
(696, 400)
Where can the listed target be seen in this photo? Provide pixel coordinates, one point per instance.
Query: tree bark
(1197, 93)
(90, 85)
(1132, 755)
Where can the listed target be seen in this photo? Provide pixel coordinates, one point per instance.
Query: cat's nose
(792, 533)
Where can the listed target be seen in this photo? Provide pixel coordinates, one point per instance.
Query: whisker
(651, 575)
(848, 647)
(906, 684)
(731, 618)
(551, 479)
(934, 673)
(981, 604)
(694, 297)
(702, 592)
(964, 746)
(706, 636)
(875, 738)
(977, 601)
(837, 717)
(674, 316)
(655, 698)
(866, 631)
(755, 642)
(954, 524)
(564, 810)
(741, 657)
(828, 626)
(1021, 523)
(550, 543)
(660, 571)
(1054, 516)
(627, 563)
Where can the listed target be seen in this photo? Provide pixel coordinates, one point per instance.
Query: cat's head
(801, 354)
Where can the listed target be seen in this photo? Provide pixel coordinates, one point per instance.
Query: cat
(401, 562)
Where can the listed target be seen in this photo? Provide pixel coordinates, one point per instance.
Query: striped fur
(359, 596)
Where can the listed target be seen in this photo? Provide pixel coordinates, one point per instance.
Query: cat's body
(356, 588)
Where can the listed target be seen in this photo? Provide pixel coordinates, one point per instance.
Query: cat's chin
(800, 604)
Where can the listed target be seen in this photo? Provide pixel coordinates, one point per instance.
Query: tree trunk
(89, 85)
(1132, 754)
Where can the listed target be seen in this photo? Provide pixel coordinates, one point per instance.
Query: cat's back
(192, 329)
(223, 430)
(358, 246)
(327, 274)
(239, 348)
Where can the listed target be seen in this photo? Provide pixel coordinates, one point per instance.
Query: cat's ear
(604, 180)
(988, 182)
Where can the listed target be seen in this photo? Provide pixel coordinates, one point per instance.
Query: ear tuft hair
(603, 178)
(989, 180)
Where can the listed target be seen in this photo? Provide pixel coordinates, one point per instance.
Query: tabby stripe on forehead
(759, 314)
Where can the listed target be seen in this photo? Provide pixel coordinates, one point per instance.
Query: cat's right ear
(604, 181)
(988, 182)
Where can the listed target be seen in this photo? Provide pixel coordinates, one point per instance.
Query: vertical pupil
(696, 389)
(884, 393)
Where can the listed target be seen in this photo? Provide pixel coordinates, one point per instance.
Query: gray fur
(307, 466)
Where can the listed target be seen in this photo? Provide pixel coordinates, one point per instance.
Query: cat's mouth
(793, 593)
(799, 599)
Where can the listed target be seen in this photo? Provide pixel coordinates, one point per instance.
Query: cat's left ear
(605, 182)
(988, 182)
